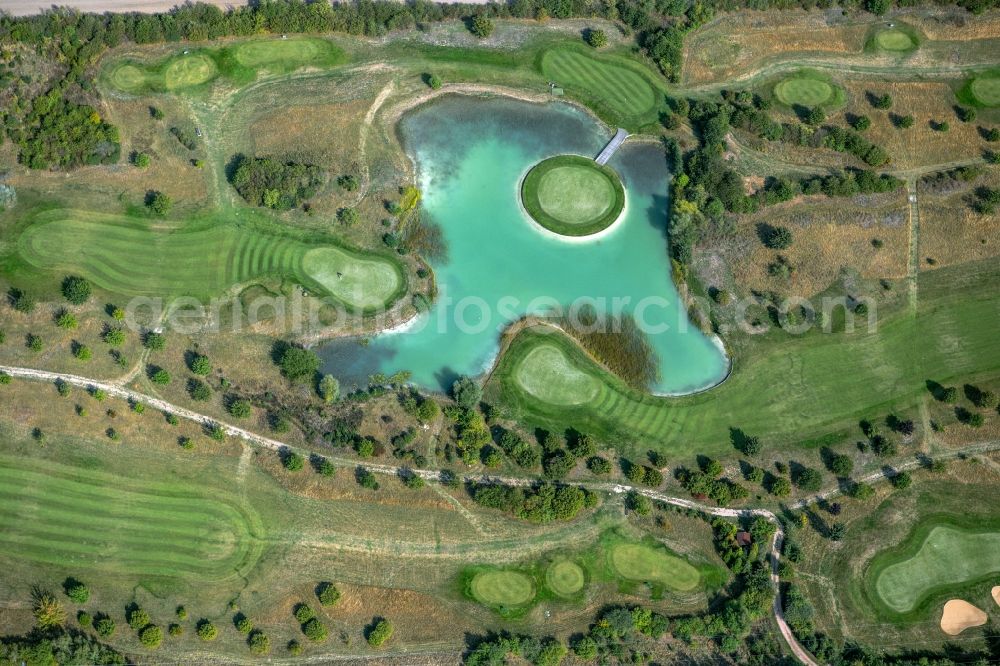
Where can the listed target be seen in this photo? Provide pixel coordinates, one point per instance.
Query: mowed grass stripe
(141, 258)
(621, 89)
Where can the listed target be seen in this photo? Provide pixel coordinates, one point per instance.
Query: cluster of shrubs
(268, 182)
(540, 503)
(707, 482)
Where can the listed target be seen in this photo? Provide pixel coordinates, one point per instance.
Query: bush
(4, 378)
(200, 365)
(84, 619)
(481, 27)
(137, 618)
(140, 160)
(48, 612)
(303, 613)
(776, 238)
(294, 648)
(466, 392)
(292, 461)
(905, 122)
(198, 390)
(151, 636)
(206, 630)
(240, 408)
(433, 81)
(21, 301)
(329, 389)
(159, 376)
(965, 114)
(113, 336)
(841, 465)
(380, 632)
(243, 624)
(267, 182)
(901, 480)
(66, 320)
(861, 123)
(348, 216)
(781, 487)
(314, 630)
(599, 465)
(327, 593)
(76, 591)
(809, 479)
(348, 182)
(597, 38)
(75, 289)
(154, 341)
(298, 364)
(82, 352)
(175, 629)
(259, 643)
(104, 626)
(158, 202)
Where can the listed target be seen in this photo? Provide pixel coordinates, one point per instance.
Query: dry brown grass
(951, 232)
(956, 25)
(828, 237)
(738, 42)
(919, 145)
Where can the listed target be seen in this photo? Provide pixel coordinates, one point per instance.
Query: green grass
(804, 390)
(565, 577)
(639, 562)
(610, 83)
(808, 89)
(240, 63)
(573, 195)
(895, 40)
(940, 558)
(142, 257)
(57, 514)
(503, 588)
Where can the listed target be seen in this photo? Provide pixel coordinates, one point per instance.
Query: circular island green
(572, 195)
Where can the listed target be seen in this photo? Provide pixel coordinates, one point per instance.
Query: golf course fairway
(140, 257)
(640, 562)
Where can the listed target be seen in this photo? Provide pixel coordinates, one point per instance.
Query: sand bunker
(996, 594)
(960, 615)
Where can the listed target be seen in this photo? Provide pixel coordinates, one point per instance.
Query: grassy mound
(640, 562)
(84, 518)
(808, 89)
(502, 588)
(573, 195)
(625, 93)
(939, 558)
(135, 257)
(549, 375)
(895, 40)
(239, 63)
(983, 90)
(565, 578)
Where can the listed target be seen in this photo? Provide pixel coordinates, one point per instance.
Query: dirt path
(27, 7)
(913, 264)
(433, 475)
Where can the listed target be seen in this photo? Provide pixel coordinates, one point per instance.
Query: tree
(48, 612)
(466, 392)
(314, 630)
(327, 593)
(259, 643)
(66, 320)
(841, 465)
(861, 123)
(298, 364)
(140, 160)
(433, 81)
(901, 480)
(21, 301)
(809, 479)
(597, 38)
(158, 202)
(199, 364)
(156, 113)
(481, 26)
(198, 390)
(206, 630)
(154, 341)
(325, 468)
(380, 632)
(243, 624)
(75, 289)
(113, 336)
(348, 182)
(82, 352)
(816, 116)
(294, 648)
(240, 408)
(104, 626)
(159, 376)
(348, 216)
(329, 388)
(640, 504)
(76, 590)
(777, 238)
(137, 618)
(837, 532)
(881, 101)
(4, 379)
(292, 461)
(905, 122)
(877, 7)
(781, 487)
(965, 114)
(151, 636)
(750, 445)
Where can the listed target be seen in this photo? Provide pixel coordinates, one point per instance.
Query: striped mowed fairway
(139, 257)
(66, 515)
(622, 90)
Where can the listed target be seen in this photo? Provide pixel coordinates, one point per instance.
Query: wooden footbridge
(616, 141)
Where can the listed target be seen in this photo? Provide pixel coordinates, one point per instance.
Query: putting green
(572, 195)
(986, 90)
(565, 578)
(803, 91)
(894, 40)
(270, 51)
(618, 88)
(502, 588)
(201, 259)
(189, 70)
(934, 562)
(87, 519)
(639, 562)
(365, 283)
(546, 373)
(128, 77)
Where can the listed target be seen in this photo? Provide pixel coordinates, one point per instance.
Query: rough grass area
(938, 558)
(240, 63)
(63, 515)
(573, 195)
(639, 562)
(616, 85)
(786, 388)
(133, 256)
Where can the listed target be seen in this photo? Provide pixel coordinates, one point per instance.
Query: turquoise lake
(470, 156)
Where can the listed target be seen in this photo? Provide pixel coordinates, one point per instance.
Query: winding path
(118, 391)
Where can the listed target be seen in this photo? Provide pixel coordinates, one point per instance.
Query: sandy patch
(960, 615)
(996, 594)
